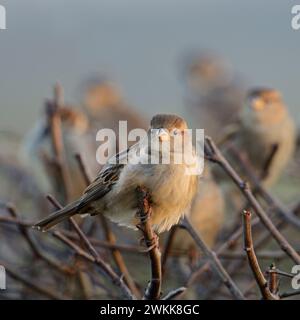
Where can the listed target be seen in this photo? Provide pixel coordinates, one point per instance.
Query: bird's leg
(143, 215)
(151, 243)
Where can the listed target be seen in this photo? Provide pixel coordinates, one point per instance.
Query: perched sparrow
(106, 107)
(267, 126)
(113, 192)
(213, 95)
(206, 214)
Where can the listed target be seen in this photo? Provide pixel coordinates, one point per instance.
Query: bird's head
(101, 94)
(206, 72)
(73, 119)
(265, 106)
(167, 126)
(170, 131)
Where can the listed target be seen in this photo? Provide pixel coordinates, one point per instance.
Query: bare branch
(168, 248)
(32, 285)
(111, 239)
(215, 155)
(174, 293)
(273, 202)
(289, 294)
(215, 262)
(253, 262)
(273, 279)
(153, 290)
(94, 254)
(227, 244)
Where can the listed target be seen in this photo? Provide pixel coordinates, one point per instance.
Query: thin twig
(93, 253)
(273, 279)
(215, 262)
(168, 248)
(281, 273)
(272, 201)
(215, 155)
(227, 244)
(253, 262)
(261, 255)
(267, 165)
(34, 247)
(289, 294)
(174, 293)
(54, 121)
(33, 286)
(104, 267)
(96, 242)
(110, 238)
(104, 244)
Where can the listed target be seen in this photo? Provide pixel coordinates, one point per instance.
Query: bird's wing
(104, 182)
(269, 161)
(125, 155)
(106, 178)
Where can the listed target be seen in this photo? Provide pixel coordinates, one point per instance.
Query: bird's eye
(175, 132)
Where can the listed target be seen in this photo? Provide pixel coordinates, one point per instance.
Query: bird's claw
(151, 244)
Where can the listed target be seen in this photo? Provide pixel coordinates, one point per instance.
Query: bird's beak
(257, 104)
(163, 135)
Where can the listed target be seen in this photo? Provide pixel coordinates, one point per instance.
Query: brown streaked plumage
(113, 192)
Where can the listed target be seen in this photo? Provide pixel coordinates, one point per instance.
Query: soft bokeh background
(139, 43)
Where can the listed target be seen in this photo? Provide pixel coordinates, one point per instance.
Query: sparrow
(37, 143)
(105, 106)
(266, 127)
(113, 192)
(213, 95)
(206, 214)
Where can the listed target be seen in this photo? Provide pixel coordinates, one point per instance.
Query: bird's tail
(58, 216)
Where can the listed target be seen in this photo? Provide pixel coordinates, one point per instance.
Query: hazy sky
(139, 43)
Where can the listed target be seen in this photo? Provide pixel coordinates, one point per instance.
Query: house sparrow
(113, 192)
(213, 95)
(206, 214)
(265, 125)
(75, 140)
(105, 106)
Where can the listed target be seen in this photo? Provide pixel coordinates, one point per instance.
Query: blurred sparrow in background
(266, 129)
(113, 192)
(105, 106)
(38, 144)
(213, 95)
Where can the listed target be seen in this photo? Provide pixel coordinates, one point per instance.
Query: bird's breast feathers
(171, 192)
